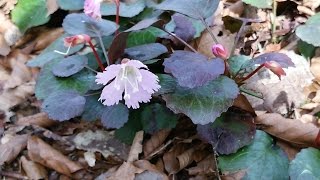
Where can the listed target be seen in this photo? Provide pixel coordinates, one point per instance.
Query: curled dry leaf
(46, 38)
(185, 158)
(10, 150)
(40, 119)
(42, 153)
(155, 141)
(171, 163)
(291, 130)
(290, 150)
(136, 147)
(206, 166)
(33, 170)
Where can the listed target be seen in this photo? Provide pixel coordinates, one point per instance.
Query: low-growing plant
(119, 72)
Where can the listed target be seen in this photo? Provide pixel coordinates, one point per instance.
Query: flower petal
(137, 97)
(149, 81)
(110, 73)
(110, 95)
(136, 63)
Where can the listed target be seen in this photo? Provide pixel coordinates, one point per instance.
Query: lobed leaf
(282, 59)
(205, 103)
(93, 108)
(310, 31)
(47, 83)
(63, 105)
(69, 66)
(201, 8)
(115, 116)
(82, 24)
(230, 132)
(305, 165)
(168, 84)
(183, 27)
(193, 69)
(125, 10)
(145, 52)
(260, 160)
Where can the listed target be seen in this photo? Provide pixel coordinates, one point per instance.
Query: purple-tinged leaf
(145, 52)
(168, 84)
(282, 59)
(194, 9)
(184, 27)
(230, 132)
(64, 105)
(69, 66)
(75, 24)
(205, 103)
(115, 116)
(193, 69)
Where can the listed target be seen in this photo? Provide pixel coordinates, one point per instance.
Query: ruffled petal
(107, 75)
(110, 95)
(149, 81)
(136, 63)
(137, 97)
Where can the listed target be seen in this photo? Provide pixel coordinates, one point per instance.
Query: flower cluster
(130, 78)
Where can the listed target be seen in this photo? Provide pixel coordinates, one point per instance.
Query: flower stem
(252, 73)
(181, 40)
(103, 49)
(96, 56)
(209, 30)
(117, 14)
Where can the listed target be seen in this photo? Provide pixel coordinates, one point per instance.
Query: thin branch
(237, 38)
(209, 30)
(103, 49)
(181, 40)
(96, 56)
(274, 14)
(252, 73)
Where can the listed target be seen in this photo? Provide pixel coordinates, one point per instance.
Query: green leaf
(155, 117)
(259, 3)
(126, 9)
(69, 66)
(237, 63)
(63, 105)
(230, 132)
(168, 84)
(48, 54)
(71, 5)
(260, 160)
(128, 131)
(93, 108)
(145, 36)
(139, 52)
(306, 165)
(205, 103)
(310, 31)
(115, 116)
(201, 8)
(47, 83)
(29, 13)
(307, 50)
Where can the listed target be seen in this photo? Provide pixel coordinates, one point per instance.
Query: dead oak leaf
(7, 5)
(10, 150)
(43, 153)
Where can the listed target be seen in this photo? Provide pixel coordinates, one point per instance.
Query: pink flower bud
(92, 8)
(75, 40)
(275, 68)
(219, 51)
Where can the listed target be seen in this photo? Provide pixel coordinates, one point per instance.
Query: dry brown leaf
(171, 163)
(33, 170)
(155, 141)
(46, 38)
(151, 171)
(206, 166)
(234, 176)
(40, 119)
(10, 150)
(185, 158)
(291, 130)
(242, 102)
(136, 147)
(7, 5)
(52, 6)
(126, 171)
(315, 66)
(288, 149)
(9, 34)
(42, 153)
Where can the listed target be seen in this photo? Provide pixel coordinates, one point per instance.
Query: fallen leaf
(234, 176)
(151, 171)
(39, 119)
(10, 150)
(155, 141)
(290, 150)
(136, 147)
(9, 33)
(171, 163)
(206, 166)
(7, 5)
(52, 6)
(126, 171)
(291, 130)
(90, 157)
(315, 66)
(185, 158)
(45, 38)
(33, 170)
(42, 153)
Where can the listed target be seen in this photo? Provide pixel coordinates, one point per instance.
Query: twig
(216, 163)
(209, 30)
(274, 13)
(252, 73)
(181, 40)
